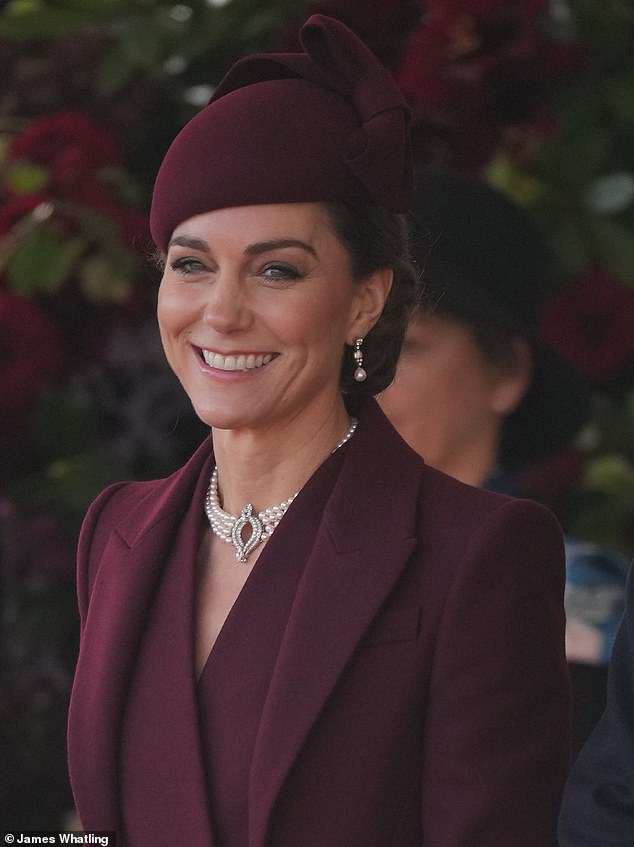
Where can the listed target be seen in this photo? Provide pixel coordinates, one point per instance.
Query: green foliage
(590, 156)
(605, 501)
(100, 281)
(64, 423)
(155, 38)
(71, 465)
(44, 261)
(26, 178)
(67, 486)
(45, 258)
(613, 247)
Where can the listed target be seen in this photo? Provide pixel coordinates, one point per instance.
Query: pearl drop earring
(360, 373)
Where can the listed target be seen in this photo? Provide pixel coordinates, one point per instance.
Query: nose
(227, 309)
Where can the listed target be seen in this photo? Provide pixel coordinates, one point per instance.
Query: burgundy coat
(420, 693)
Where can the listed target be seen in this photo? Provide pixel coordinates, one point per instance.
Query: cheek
(173, 311)
(419, 381)
(173, 318)
(165, 309)
(320, 325)
(426, 401)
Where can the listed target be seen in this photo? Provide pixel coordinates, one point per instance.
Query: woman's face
(447, 400)
(255, 307)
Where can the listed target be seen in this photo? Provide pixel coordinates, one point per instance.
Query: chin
(219, 419)
(223, 416)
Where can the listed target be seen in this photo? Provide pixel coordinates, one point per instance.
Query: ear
(513, 380)
(369, 301)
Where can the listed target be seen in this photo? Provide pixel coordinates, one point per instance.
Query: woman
(345, 667)
(479, 397)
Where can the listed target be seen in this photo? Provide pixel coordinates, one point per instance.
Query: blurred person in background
(479, 397)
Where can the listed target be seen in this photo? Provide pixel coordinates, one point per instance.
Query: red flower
(422, 74)
(30, 355)
(531, 9)
(55, 136)
(593, 324)
(72, 178)
(472, 71)
(74, 149)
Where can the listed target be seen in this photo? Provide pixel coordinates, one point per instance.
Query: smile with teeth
(240, 362)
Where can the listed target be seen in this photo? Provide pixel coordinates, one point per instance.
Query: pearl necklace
(229, 528)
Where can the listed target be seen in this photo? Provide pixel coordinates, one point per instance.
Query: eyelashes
(272, 272)
(187, 265)
(280, 271)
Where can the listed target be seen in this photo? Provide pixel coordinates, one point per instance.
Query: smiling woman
(304, 636)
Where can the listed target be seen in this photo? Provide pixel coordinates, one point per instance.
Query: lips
(239, 362)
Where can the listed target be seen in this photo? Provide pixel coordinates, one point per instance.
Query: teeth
(236, 363)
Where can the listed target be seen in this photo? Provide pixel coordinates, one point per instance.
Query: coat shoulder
(445, 503)
(130, 509)
(451, 519)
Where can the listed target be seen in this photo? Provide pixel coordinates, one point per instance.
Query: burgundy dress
(232, 688)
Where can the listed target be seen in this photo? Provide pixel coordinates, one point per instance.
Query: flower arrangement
(535, 96)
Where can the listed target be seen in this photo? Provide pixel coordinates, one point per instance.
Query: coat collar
(365, 539)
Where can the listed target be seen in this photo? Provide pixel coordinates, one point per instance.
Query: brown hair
(374, 239)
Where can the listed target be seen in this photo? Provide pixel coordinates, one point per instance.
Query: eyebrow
(265, 246)
(251, 250)
(192, 243)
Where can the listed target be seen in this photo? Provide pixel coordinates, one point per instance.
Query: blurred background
(536, 97)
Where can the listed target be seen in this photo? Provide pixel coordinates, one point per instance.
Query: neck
(266, 465)
(473, 465)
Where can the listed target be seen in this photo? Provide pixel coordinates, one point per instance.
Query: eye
(187, 265)
(280, 271)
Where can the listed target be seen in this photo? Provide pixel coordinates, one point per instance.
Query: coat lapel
(121, 598)
(364, 542)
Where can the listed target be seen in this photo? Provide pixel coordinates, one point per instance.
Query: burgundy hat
(326, 124)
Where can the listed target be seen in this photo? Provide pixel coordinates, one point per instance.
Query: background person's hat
(326, 124)
(484, 262)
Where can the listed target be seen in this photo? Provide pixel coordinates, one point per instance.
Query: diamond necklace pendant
(246, 518)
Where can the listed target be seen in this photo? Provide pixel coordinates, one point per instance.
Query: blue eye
(280, 271)
(187, 265)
